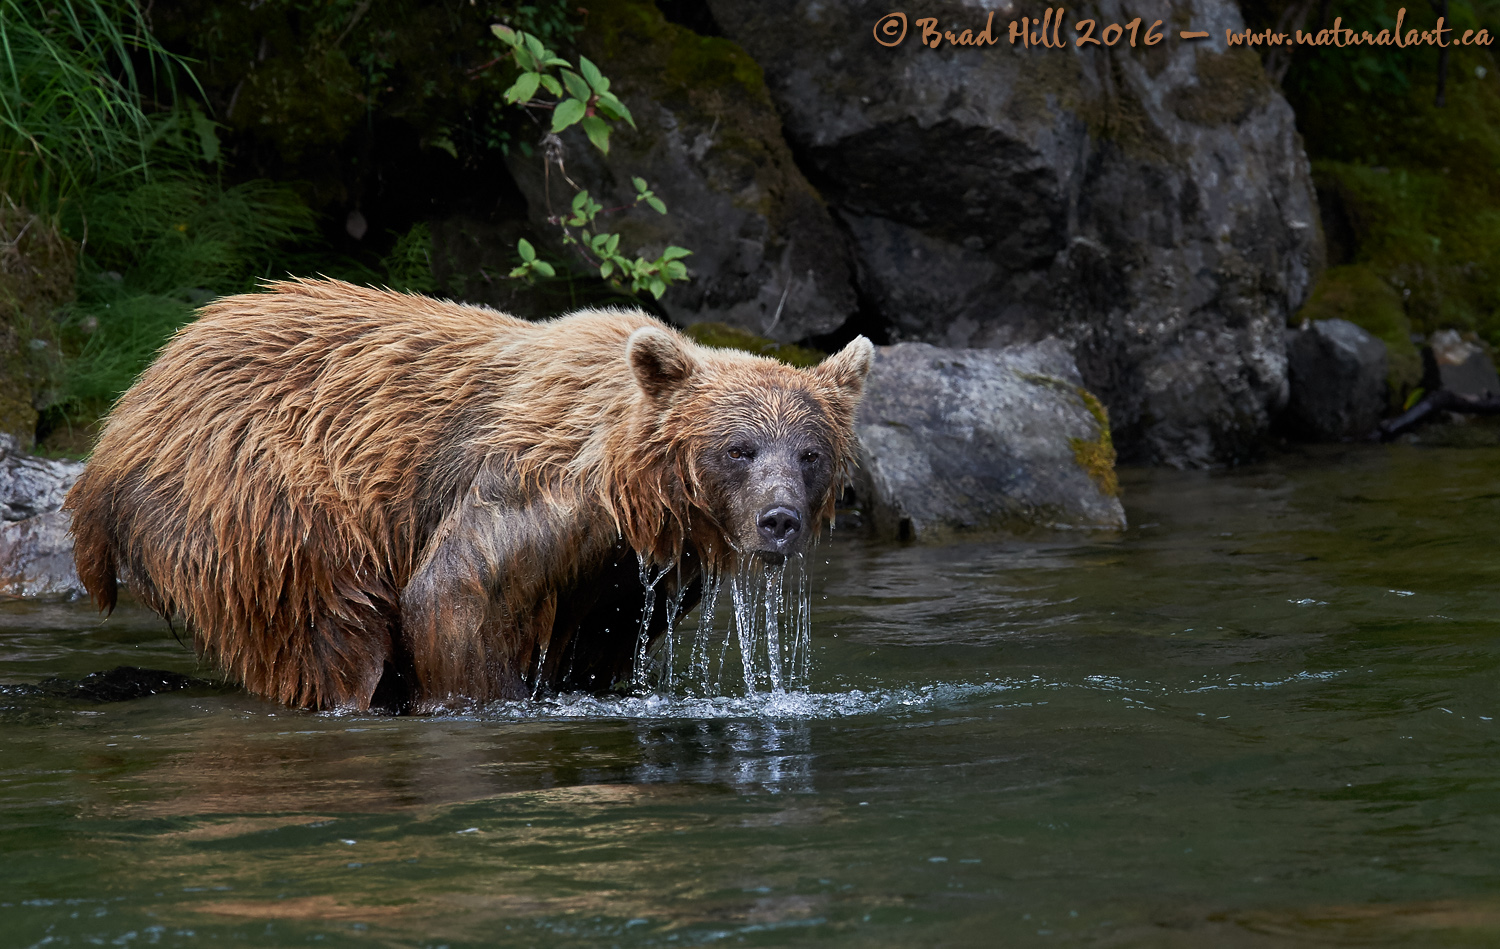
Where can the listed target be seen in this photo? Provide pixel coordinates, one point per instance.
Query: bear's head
(752, 452)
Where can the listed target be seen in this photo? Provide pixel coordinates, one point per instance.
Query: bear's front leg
(477, 614)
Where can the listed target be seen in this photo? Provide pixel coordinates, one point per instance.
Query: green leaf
(506, 34)
(559, 61)
(525, 60)
(524, 87)
(614, 243)
(543, 268)
(592, 74)
(568, 112)
(673, 252)
(658, 287)
(524, 248)
(521, 271)
(552, 85)
(675, 270)
(640, 183)
(658, 204)
(606, 268)
(615, 108)
(579, 200)
(597, 131)
(577, 88)
(536, 48)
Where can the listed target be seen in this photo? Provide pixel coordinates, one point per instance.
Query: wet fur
(356, 497)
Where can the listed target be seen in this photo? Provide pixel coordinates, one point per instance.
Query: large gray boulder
(1337, 373)
(767, 256)
(1150, 205)
(965, 441)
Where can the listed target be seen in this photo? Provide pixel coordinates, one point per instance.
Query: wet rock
(981, 440)
(1152, 206)
(36, 557)
(31, 485)
(767, 256)
(1459, 366)
(1337, 373)
(36, 553)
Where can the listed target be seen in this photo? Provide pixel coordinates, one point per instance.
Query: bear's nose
(779, 525)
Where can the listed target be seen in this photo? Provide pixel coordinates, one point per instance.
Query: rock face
(1150, 205)
(980, 440)
(1337, 373)
(767, 256)
(36, 553)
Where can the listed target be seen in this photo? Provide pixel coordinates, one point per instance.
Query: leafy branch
(581, 97)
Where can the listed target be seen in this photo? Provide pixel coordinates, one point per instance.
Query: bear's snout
(779, 526)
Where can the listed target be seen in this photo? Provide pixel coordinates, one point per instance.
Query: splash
(763, 644)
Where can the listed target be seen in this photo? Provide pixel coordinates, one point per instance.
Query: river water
(1265, 715)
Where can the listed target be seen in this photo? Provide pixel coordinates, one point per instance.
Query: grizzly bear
(363, 499)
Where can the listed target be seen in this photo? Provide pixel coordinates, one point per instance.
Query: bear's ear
(848, 367)
(659, 360)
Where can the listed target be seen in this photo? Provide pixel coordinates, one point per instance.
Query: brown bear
(361, 499)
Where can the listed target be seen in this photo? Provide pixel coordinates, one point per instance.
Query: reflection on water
(1266, 715)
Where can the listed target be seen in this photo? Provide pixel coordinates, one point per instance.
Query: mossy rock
(1097, 455)
(766, 254)
(724, 336)
(1358, 294)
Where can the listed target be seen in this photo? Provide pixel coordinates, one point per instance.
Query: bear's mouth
(771, 558)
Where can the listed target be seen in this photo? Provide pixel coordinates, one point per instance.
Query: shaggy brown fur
(335, 486)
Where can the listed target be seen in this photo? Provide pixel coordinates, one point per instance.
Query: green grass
(72, 96)
(156, 251)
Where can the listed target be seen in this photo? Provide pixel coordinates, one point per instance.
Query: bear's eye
(810, 457)
(741, 452)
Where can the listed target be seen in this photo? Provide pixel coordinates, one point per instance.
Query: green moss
(1097, 456)
(619, 31)
(1407, 186)
(723, 336)
(1358, 294)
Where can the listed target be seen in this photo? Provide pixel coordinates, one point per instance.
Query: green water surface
(1265, 715)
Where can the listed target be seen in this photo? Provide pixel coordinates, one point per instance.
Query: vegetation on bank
(150, 161)
(1409, 189)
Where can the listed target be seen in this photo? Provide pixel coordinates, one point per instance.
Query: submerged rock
(981, 440)
(1151, 205)
(1337, 373)
(767, 256)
